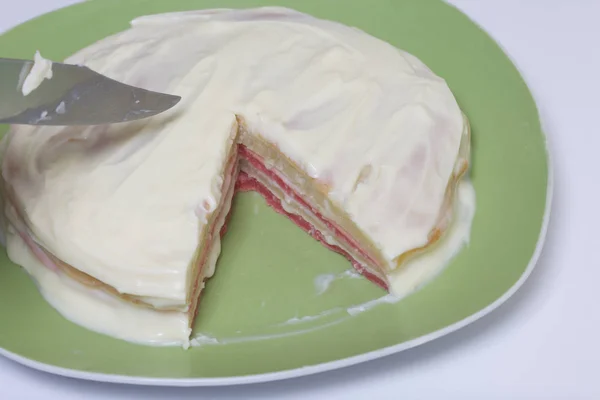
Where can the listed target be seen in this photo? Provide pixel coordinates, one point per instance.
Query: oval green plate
(267, 271)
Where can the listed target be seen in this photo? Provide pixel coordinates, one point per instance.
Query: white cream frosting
(370, 121)
(42, 69)
(97, 310)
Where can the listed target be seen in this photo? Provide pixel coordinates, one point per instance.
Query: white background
(541, 344)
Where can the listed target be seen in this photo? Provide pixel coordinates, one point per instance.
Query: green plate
(266, 275)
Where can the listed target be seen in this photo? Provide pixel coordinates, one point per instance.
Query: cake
(358, 143)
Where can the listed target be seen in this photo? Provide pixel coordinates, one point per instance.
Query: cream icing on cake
(369, 122)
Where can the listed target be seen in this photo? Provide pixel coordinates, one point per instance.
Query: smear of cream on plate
(204, 339)
(360, 308)
(323, 281)
(308, 318)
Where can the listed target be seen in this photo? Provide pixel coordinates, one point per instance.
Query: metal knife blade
(75, 95)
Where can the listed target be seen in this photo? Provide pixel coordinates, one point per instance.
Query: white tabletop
(543, 343)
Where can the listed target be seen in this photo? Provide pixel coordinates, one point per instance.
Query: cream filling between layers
(290, 205)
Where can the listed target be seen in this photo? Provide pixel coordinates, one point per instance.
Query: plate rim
(342, 362)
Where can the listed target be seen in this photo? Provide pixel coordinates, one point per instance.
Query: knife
(74, 95)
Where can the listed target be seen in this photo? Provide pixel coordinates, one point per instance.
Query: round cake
(357, 142)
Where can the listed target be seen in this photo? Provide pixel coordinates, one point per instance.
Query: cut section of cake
(355, 141)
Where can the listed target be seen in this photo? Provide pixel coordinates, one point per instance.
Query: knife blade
(74, 95)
